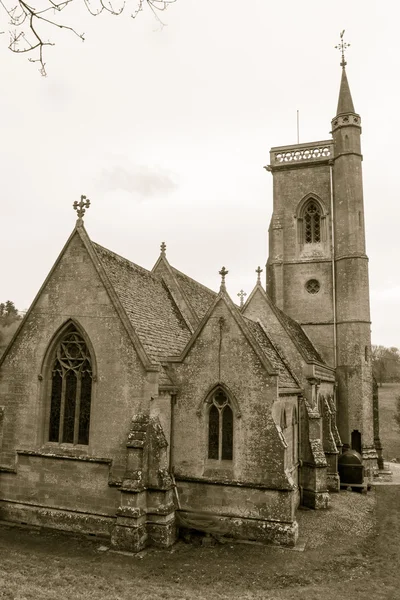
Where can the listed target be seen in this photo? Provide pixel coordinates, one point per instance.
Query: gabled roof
(148, 305)
(286, 378)
(241, 322)
(293, 328)
(199, 296)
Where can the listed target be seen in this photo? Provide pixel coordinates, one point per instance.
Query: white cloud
(139, 179)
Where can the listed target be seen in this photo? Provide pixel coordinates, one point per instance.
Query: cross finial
(342, 47)
(163, 248)
(223, 272)
(259, 271)
(242, 294)
(81, 206)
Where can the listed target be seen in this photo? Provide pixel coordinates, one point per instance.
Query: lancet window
(220, 427)
(71, 390)
(312, 223)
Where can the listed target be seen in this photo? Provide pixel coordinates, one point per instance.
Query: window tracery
(312, 223)
(313, 286)
(71, 391)
(220, 427)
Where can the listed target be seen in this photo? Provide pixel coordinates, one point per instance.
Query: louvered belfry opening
(71, 390)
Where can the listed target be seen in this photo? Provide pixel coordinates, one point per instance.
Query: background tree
(396, 415)
(30, 24)
(9, 321)
(385, 364)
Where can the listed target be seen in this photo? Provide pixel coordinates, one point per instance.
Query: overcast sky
(166, 130)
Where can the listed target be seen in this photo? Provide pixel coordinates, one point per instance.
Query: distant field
(390, 433)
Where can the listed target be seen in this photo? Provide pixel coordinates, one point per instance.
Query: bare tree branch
(26, 21)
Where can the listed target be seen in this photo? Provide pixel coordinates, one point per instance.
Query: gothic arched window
(220, 427)
(71, 390)
(312, 223)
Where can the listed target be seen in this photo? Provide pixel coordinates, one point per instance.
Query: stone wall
(222, 356)
(120, 388)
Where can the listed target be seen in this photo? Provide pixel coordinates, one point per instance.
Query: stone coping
(233, 483)
(61, 456)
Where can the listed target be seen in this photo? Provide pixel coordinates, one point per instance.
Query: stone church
(134, 402)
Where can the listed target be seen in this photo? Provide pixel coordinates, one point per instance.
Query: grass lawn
(389, 432)
(352, 550)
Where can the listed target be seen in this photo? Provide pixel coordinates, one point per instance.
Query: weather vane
(342, 47)
(81, 206)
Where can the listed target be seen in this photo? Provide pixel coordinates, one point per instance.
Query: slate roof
(286, 379)
(298, 334)
(148, 305)
(160, 325)
(199, 296)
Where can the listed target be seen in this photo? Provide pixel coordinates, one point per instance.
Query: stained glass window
(213, 432)
(71, 391)
(312, 223)
(227, 433)
(220, 428)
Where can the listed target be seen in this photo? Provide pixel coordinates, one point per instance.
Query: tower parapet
(301, 154)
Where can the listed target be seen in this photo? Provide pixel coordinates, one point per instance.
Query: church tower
(317, 270)
(353, 325)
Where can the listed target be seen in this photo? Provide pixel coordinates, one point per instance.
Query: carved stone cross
(242, 294)
(163, 248)
(223, 272)
(81, 206)
(259, 271)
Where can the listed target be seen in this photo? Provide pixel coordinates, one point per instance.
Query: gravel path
(392, 477)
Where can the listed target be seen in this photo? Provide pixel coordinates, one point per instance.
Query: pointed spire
(223, 272)
(345, 102)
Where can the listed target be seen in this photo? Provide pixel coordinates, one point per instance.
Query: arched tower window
(312, 223)
(220, 427)
(71, 390)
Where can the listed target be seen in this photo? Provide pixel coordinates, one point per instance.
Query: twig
(26, 19)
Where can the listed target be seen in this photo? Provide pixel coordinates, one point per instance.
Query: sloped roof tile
(199, 296)
(286, 379)
(148, 305)
(299, 335)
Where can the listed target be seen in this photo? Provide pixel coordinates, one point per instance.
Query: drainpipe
(171, 434)
(299, 446)
(333, 270)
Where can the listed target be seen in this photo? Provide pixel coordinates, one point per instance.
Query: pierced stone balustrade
(301, 153)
